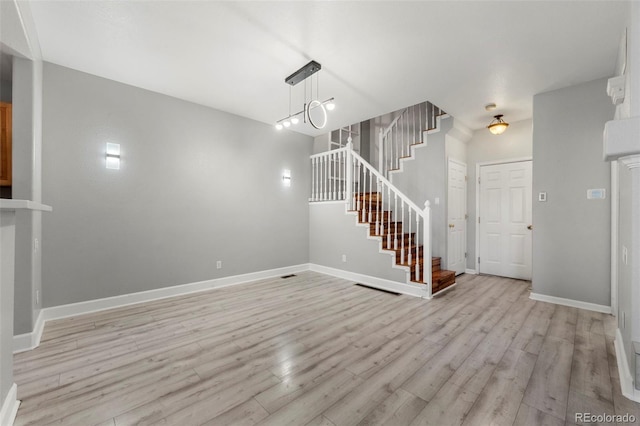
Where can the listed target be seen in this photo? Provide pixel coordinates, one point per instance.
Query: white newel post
(381, 153)
(426, 243)
(349, 176)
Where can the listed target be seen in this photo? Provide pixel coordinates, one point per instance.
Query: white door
(505, 220)
(457, 217)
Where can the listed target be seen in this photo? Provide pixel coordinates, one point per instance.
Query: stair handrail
(393, 123)
(425, 213)
(388, 183)
(326, 153)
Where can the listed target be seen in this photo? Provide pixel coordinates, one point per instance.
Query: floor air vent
(288, 276)
(378, 289)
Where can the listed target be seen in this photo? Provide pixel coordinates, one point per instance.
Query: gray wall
(195, 186)
(333, 233)
(425, 178)
(571, 240)
(485, 147)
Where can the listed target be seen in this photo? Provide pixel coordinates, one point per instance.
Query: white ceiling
(376, 57)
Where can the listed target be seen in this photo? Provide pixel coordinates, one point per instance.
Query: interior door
(505, 220)
(457, 217)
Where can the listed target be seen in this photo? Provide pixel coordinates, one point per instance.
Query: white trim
(466, 210)
(626, 379)
(615, 175)
(27, 341)
(570, 302)
(444, 290)
(477, 183)
(328, 202)
(471, 271)
(31, 340)
(10, 407)
(381, 283)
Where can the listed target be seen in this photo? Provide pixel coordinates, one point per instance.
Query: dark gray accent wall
(196, 186)
(571, 237)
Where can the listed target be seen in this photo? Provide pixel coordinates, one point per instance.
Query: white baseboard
(10, 407)
(570, 302)
(383, 284)
(471, 271)
(626, 379)
(28, 341)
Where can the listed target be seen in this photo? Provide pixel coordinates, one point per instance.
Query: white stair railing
(342, 174)
(328, 175)
(405, 130)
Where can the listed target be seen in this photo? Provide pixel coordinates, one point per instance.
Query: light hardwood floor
(317, 350)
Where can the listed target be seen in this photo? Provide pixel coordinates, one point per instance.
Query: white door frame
(466, 208)
(478, 165)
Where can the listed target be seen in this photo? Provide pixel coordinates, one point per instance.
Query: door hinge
(465, 254)
(466, 216)
(478, 219)
(478, 179)
(466, 178)
(478, 260)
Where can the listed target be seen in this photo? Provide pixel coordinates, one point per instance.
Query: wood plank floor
(317, 350)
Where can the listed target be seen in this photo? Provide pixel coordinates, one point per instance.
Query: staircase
(407, 132)
(402, 228)
(369, 207)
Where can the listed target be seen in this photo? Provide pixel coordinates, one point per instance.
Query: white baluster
(420, 122)
(370, 197)
(381, 152)
(313, 179)
(395, 219)
(389, 222)
(334, 175)
(426, 244)
(348, 177)
(402, 241)
(409, 240)
(417, 247)
(378, 207)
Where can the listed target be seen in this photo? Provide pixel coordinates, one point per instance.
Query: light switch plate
(596, 194)
(542, 196)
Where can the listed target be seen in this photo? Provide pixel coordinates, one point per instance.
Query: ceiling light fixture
(313, 110)
(497, 125)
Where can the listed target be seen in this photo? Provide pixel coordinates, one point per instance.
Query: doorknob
(451, 225)
(530, 227)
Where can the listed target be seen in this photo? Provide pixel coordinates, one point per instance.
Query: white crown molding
(570, 302)
(10, 407)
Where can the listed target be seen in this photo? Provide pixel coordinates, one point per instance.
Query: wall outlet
(37, 297)
(542, 196)
(344, 257)
(219, 264)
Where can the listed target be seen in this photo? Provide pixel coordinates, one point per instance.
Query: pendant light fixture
(497, 125)
(313, 110)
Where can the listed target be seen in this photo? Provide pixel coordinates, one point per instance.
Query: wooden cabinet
(5, 144)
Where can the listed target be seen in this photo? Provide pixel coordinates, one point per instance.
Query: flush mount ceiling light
(497, 125)
(313, 110)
